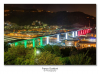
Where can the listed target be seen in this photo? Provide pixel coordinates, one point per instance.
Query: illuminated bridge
(51, 38)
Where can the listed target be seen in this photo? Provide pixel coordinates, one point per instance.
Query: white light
(47, 40)
(37, 52)
(76, 33)
(69, 43)
(66, 36)
(89, 45)
(57, 37)
(73, 34)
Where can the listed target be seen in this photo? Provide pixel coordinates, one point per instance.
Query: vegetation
(27, 56)
(46, 58)
(80, 59)
(19, 56)
(53, 49)
(6, 46)
(49, 55)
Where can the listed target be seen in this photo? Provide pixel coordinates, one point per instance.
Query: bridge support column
(89, 30)
(48, 40)
(66, 36)
(73, 34)
(16, 43)
(58, 37)
(41, 40)
(25, 43)
(79, 32)
(85, 32)
(33, 42)
(76, 33)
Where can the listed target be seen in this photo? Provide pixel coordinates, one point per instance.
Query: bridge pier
(25, 43)
(48, 40)
(66, 35)
(33, 42)
(76, 33)
(41, 41)
(73, 34)
(16, 43)
(79, 32)
(58, 37)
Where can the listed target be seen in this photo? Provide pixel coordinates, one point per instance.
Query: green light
(16, 44)
(41, 41)
(33, 42)
(25, 43)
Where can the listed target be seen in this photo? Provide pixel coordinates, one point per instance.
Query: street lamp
(37, 51)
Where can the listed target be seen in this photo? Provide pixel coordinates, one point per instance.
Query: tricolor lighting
(57, 37)
(81, 32)
(76, 33)
(85, 31)
(47, 40)
(66, 36)
(73, 34)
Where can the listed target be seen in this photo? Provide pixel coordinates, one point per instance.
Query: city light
(69, 43)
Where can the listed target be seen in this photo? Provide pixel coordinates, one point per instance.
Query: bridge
(74, 33)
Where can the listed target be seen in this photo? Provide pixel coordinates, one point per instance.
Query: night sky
(86, 8)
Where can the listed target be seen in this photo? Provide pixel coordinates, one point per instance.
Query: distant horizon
(85, 8)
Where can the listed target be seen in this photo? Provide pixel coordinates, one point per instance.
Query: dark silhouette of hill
(56, 18)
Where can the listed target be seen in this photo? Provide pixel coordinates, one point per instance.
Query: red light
(78, 33)
(83, 32)
(87, 30)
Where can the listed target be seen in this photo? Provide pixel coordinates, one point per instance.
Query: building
(85, 44)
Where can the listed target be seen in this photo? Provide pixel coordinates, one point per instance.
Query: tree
(80, 59)
(53, 49)
(91, 53)
(57, 50)
(65, 52)
(6, 46)
(19, 56)
(46, 58)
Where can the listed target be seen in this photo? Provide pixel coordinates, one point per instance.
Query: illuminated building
(84, 44)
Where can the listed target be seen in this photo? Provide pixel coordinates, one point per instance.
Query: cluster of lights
(83, 32)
